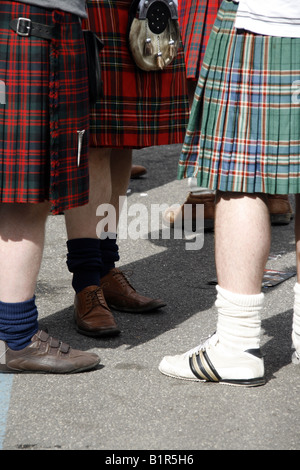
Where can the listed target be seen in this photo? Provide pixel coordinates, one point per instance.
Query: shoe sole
(235, 383)
(4, 369)
(149, 309)
(281, 219)
(136, 177)
(99, 334)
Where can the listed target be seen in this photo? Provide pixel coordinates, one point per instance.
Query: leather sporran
(153, 33)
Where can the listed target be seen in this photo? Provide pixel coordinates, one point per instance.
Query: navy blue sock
(18, 323)
(110, 253)
(85, 262)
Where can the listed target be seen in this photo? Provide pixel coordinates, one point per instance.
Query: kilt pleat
(46, 104)
(138, 109)
(196, 19)
(244, 130)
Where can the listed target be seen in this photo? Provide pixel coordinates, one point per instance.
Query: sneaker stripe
(202, 368)
(197, 369)
(214, 373)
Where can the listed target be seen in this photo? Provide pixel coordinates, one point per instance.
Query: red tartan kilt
(196, 19)
(46, 103)
(139, 109)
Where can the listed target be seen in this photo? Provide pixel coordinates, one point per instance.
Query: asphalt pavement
(126, 404)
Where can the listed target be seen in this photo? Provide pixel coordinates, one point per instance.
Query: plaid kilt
(196, 19)
(44, 102)
(139, 109)
(244, 129)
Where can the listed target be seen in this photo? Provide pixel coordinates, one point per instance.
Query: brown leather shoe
(280, 209)
(92, 315)
(48, 355)
(172, 215)
(120, 295)
(137, 171)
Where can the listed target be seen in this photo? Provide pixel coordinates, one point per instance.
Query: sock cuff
(84, 254)
(83, 243)
(110, 252)
(242, 300)
(17, 309)
(18, 323)
(109, 244)
(239, 321)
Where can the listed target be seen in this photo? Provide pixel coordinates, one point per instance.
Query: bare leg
(81, 221)
(296, 313)
(22, 232)
(22, 346)
(109, 178)
(89, 257)
(232, 355)
(120, 165)
(242, 237)
(93, 262)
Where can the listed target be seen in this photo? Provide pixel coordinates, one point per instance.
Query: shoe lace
(95, 297)
(122, 278)
(204, 344)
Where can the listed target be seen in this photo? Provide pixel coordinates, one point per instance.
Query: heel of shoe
(245, 369)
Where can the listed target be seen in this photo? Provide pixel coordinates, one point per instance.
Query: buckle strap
(25, 27)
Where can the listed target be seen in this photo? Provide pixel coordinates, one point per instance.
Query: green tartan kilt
(244, 128)
(43, 105)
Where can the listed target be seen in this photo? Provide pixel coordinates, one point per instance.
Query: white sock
(239, 319)
(296, 318)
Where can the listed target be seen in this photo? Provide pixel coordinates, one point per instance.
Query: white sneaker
(210, 362)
